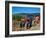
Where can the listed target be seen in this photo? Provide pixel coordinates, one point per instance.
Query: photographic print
(25, 18)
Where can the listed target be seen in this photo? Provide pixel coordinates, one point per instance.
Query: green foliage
(17, 17)
(13, 17)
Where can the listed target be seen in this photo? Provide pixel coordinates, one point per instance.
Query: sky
(25, 10)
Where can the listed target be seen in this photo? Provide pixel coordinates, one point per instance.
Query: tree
(13, 17)
(18, 17)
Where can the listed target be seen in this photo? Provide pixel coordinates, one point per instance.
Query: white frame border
(25, 32)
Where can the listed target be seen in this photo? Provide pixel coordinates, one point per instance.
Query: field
(16, 20)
